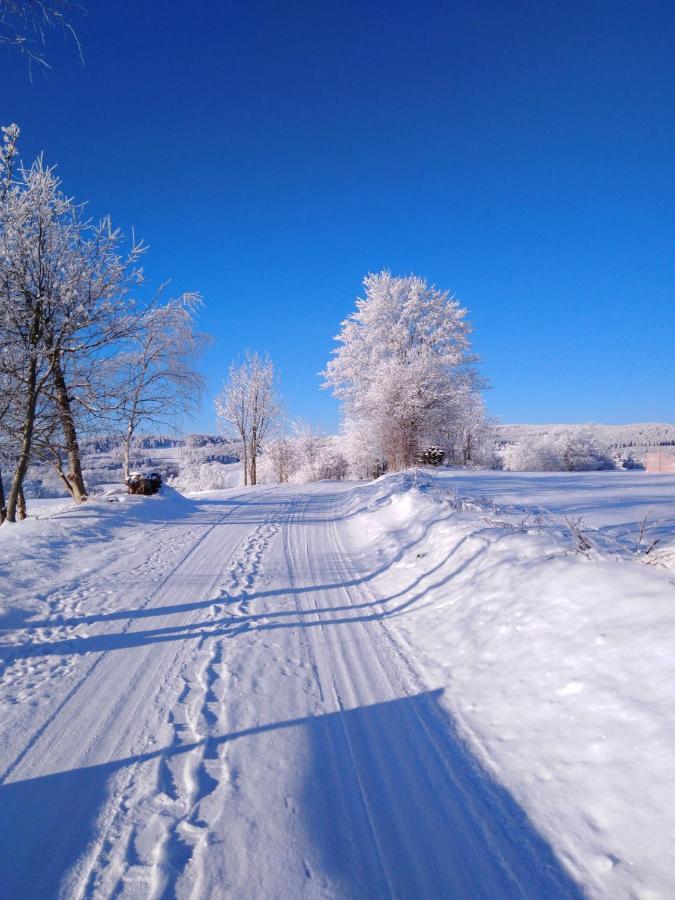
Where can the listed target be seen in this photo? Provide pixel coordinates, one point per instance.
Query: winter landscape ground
(433, 684)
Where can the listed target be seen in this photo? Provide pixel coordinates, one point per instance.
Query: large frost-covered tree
(64, 301)
(401, 369)
(67, 310)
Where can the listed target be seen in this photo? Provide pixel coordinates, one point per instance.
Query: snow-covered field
(424, 686)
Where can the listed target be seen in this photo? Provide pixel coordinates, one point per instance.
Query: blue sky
(519, 154)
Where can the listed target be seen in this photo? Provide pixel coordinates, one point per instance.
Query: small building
(660, 461)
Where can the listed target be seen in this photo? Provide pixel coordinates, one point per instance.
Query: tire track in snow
(363, 825)
(161, 855)
(116, 713)
(103, 655)
(24, 677)
(437, 826)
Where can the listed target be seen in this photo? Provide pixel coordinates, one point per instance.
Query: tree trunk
(3, 506)
(244, 446)
(56, 462)
(75, 477)
(26, 440)
(254, 441)
(126, 444)
(21, 505)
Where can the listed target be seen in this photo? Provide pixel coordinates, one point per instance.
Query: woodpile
(146, 484)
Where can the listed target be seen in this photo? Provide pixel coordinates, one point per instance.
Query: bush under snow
(576, 451)
(208, 476)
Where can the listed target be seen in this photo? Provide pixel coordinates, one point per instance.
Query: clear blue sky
(519, 154)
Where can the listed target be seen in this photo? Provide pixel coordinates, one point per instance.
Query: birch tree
(156, 376)
(248, 406)
(64, 301)
(233, 410)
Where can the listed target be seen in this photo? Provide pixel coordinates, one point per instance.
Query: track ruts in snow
(159, 852)
(269, 738)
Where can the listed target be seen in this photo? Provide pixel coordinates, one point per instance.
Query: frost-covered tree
(302, 456)
(466, 434)
(67, 310)
(6, 401)
(233, 410)
(155, 376)
(248, 407)
(64, 300)
(401, 366)
(24, 24)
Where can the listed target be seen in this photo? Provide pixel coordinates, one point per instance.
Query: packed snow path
(236, 718)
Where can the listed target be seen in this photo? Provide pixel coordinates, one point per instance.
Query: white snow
(557, 668)
(415, 687)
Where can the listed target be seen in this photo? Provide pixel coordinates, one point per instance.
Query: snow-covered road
(223, 710)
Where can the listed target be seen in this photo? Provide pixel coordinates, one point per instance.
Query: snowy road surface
(214, 704)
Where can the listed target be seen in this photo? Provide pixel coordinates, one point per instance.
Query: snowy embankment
(557, 665)
(279, 674)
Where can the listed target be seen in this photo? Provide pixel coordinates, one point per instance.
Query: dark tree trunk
(16, 487)
(3, 505)
(254, 453)
(75, 478)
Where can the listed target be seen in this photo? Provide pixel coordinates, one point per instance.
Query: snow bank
(61, 544)
(558, 666)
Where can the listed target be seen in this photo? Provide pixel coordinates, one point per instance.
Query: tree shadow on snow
(255, 595)
(226, 624)
(392, 805)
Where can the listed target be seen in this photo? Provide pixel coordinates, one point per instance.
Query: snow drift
(556, 664)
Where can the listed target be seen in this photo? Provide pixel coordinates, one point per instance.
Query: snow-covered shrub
(533, 456)
(627, 461)
(328, 463)
(363, 460)
(303, 457)
(580, 451)
(37, 489)
(318, 455)
(279, 461)
(566, 451)
(211, 476)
